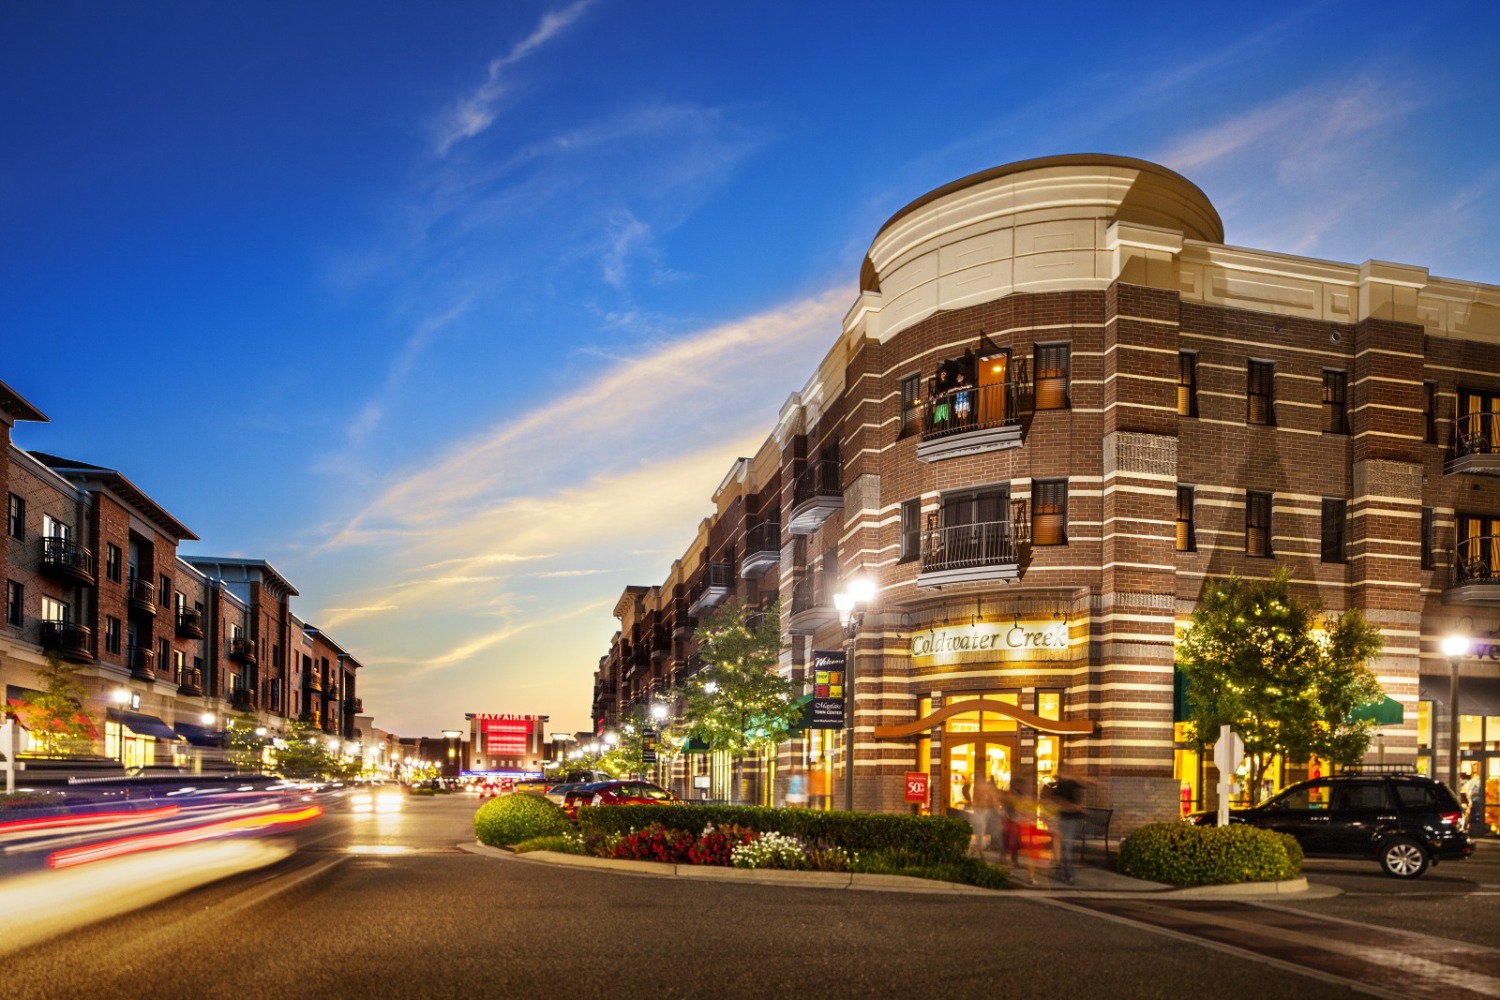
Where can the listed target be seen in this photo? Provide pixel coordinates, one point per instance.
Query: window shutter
(1187, 384)
(1049, 512)
(1051, 372)
(1185, 536)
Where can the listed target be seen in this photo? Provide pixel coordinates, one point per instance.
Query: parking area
(1457, 899)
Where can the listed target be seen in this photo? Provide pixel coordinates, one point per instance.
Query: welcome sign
(1004, 640)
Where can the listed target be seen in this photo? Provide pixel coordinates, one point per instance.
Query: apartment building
(171, 646)
(1059, 404)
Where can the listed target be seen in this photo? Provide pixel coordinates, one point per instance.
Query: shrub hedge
(561, 843)
(1184, 854)
(510, 819)
(929, 840)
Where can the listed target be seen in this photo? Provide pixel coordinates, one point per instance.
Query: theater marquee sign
(1015, 640)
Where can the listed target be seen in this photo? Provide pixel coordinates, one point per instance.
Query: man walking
(1067, 797)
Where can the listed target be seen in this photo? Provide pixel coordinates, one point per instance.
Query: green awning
(1181, 712)
(799, 725)
(694, 745)
(1385, 712)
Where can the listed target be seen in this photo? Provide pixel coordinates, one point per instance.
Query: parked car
(615, 793)
(533, 786)
(1402, 820)
(559, 793)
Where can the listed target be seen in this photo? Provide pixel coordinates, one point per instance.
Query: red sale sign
(916, 786)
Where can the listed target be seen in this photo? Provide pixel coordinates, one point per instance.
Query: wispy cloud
(476, 112)
(660, 387)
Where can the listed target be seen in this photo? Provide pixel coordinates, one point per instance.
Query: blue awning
(199, 736)
(143, 725)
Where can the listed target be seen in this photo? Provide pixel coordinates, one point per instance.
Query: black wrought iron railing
(242, 650)
(67, 638)
(764, 537)
(1477, 560)
(63, 555)
(966, 546)
(190, 622)
(141, 594)
(1476, 434)
(140, 661)
(820, 479)
(971, 408)
(242, 699)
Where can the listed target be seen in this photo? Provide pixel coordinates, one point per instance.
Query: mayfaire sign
(1008, 640)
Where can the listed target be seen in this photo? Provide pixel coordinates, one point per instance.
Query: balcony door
(994, 370)
(52, 528)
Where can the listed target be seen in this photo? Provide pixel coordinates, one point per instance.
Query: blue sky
(457, 313)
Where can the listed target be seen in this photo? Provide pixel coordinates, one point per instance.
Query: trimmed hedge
(560, 843)
(510, 819)
(1184, 854)
(921, 840)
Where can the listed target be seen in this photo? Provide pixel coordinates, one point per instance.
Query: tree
(245, 743)
(303, 753)
(738, 703)
(54, 715)
(1283, 675)
(627, 756)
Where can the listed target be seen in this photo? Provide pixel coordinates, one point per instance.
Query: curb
(750, 876)
(892, 883)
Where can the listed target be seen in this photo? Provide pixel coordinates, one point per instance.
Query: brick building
(170, 646)
(1060, 402)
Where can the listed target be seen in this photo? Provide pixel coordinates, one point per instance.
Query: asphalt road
(378, 907)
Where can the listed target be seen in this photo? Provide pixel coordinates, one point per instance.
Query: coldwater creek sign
(1008, 640)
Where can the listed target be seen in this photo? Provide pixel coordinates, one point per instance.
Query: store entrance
(967, 757)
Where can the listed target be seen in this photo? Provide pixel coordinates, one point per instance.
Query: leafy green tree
(626, 758)
(303, 753)
(737, 703)
(54, 715)
(245, 743)
(1282, 675)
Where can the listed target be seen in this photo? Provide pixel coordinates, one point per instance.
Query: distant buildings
(171, 647)
(1059, 403)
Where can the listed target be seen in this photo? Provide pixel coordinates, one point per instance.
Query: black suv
(1401, 819)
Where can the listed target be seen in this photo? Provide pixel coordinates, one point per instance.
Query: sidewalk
(1090, 879)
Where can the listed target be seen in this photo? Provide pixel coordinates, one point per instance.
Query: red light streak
(176, 838)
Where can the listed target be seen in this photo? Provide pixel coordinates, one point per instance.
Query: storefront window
(1048, 745)
(1187, 770)
(1424, 737)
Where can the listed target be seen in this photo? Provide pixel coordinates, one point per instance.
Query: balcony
(242, 650)
(683, 623)
(811, 611)
(72, 642)
(1476, 572)
(66, 560)
(715, 582)
(968, 553)
(661, 643)
(142, 663)
(242, 699)
(1476, 446)
(190, 683)
(817, 493)
(970, 421)
(354, 706)
(762, 549)
(189, 623)
(141, 596)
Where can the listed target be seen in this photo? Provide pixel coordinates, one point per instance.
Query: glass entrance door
(993, 371)
(983, 754)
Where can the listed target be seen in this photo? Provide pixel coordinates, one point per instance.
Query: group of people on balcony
(951, 395)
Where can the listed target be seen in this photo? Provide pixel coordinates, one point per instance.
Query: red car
(615, 793)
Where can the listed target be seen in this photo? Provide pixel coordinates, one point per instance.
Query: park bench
(1096, 828)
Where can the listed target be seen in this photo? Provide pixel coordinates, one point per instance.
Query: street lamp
(1455, 648)
(851, 603)
(659, 713)
(120, 697)
(451, 737)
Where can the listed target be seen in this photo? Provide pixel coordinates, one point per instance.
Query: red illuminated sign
(507, 735)
(916, 786)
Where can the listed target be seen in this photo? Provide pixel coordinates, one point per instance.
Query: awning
(142, 725)
(1476, 695)
(799, 724)
(694, 745)
(1385, 712)
(1181, 710)
(199, 736)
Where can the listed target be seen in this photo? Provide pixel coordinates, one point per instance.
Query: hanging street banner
(826, 710)
(648, 746)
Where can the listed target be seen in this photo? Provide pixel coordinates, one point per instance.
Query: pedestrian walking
(1067, 798)
(984, 815)
(796, 789)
